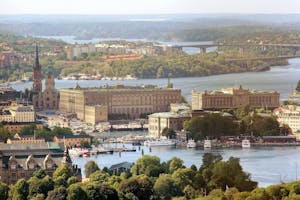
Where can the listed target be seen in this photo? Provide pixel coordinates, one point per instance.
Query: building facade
(47, 99)
(289, 115)
(22, 160)
(233, 98)
(118, 100)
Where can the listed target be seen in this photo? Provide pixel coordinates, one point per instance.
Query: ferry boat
(191, 144)
(246, 143)
(207, 144)
(159, 142)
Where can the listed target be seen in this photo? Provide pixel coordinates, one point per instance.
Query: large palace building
(233, 98)
(96, 104)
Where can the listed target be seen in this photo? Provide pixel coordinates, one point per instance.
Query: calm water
(267, 165)
(281, 79)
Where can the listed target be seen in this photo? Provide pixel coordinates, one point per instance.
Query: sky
(147, 6)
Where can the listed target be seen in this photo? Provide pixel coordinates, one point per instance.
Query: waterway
(267, 165)
(280, 78)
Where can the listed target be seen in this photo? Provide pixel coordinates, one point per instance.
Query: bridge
(241, 46)
(261, 58)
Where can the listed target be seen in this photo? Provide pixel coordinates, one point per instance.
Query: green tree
(184, 177)
(59, 193)
(3, 191)
(61, 131)
(28, 130)
(169, 133)
(40, 173)
(298, 86)
(209, 159)
(93, 192)
(63, 171)
(20, 190)
(148, 165)
(109, 192)
(40, 186)
(75, 192)
(99, 176)
(140, 186)
(72, 180)
(230, 174)
(174, 164)
(166, 187)
(90, 167)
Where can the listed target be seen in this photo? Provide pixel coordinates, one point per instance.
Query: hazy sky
(147, 6)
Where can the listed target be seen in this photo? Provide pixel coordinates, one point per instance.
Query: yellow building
(233, 98)
(17, 139)
(18, 113)
(118, 100)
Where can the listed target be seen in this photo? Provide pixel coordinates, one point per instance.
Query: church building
(49, 98)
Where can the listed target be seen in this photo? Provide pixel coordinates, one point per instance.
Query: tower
(37, 72)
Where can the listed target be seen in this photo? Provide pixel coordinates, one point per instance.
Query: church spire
(37, 62)
(37, 72)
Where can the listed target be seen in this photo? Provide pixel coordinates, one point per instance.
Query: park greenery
(244, 121)
(149, 178)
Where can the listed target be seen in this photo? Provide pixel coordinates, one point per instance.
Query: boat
(159, 142)
(207, 144)
(246, 143)
(191, 144)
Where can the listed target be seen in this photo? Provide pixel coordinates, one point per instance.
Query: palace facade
(131, 101)
(234, 98)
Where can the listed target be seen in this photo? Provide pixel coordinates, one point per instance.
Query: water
(281, 78)
(265, 164)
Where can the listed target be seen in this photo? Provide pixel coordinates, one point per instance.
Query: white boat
(159, 142)
(207, 144)
(246, 143)
(191, 144)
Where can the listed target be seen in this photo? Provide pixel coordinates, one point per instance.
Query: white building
(289, 115)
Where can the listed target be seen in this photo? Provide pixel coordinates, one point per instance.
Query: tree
(148, 165)
(75, 192)
(209, 159)
(40, 186)
(169, 133)
(3, 190)
(62, 131)
(72, 180)
(93, 192)
(174, 164)
(90, 167)
(140, 186)
(99, 176)
(59, 193)
(184, 177)
(166, 187)
(20, 190)
(40, 173)
(109, 192)
(230, 174)
(28, 130)
(63, 171)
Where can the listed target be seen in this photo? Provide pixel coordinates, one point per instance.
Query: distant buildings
(72, 140)
(117, 100)
(20, 139)
(47, 99)
(22, 160)
(289, 115)
(233, 98)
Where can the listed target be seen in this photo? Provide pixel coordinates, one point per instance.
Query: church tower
(37, 73)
